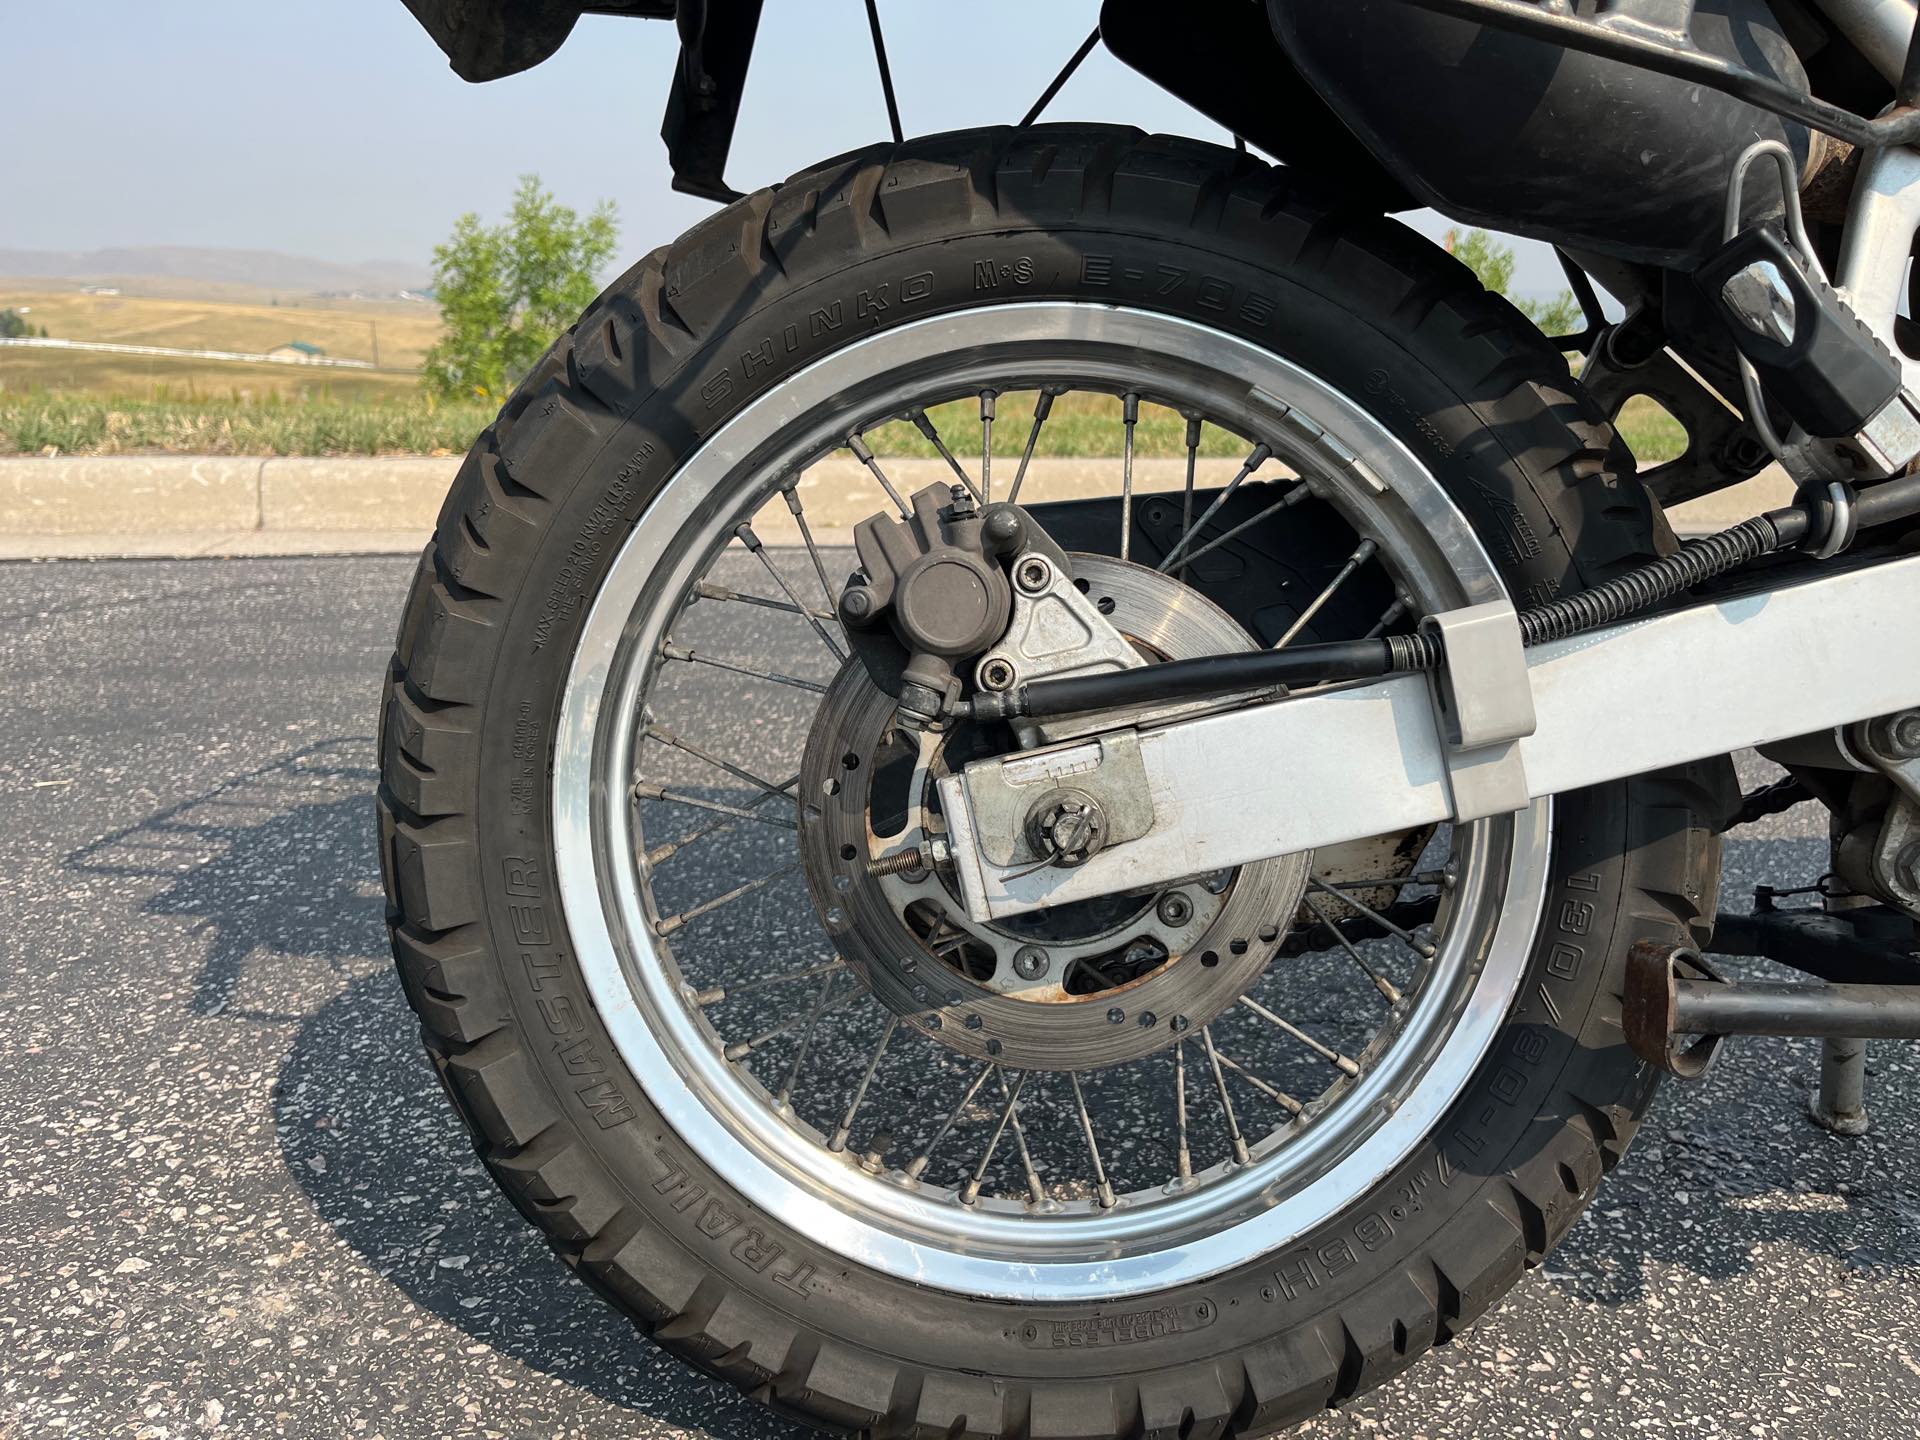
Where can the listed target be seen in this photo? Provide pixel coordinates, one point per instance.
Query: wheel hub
(1076, 987)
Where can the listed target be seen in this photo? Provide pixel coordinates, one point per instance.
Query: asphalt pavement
(235, 1202)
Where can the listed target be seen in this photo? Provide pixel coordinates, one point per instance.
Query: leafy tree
(507, 290)
(13, 327)
(1492, 263)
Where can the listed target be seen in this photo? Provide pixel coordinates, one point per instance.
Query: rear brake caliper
(931, 594)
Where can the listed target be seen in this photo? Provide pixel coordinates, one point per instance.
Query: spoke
(1325, 1052)
(740, 1049)
(858, 445)
(1272, 1092)
(1293, 497)
(1184, 1155)
(1186, 503)
(720, 994)
(1101, 1184)
(707, 590)
(645, 790)
(1240, 1152)
(1378, 882)
(674, 923)
(1036, 1191)
(784, 1098)
(1380, 982)
(972, 1191)
(1362, 553)
(1259, 456)
(917, 1166)
(924, 424)
(671, 651)
(1129, 417)
(792, 492)
(839, 1140)
(1042, 407)
(1393, 612)
(987, 398)
(1423, 948)
(667, 851)
(744, 533)
(656, 731)
(886, 71)
(1066, 72)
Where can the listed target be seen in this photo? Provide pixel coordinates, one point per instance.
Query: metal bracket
(1651, 1012)
(1055, 630)
(1483, 697)
(1108, 769)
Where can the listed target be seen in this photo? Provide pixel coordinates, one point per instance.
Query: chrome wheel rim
(1070, 1245)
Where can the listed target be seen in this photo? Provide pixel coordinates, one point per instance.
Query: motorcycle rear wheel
(1256, 1289)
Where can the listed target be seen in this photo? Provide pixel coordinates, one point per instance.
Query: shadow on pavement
(280, 860)
(398, 1181)
(277, 859)
(276, 869)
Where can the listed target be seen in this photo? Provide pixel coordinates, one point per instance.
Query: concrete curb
(177, 505)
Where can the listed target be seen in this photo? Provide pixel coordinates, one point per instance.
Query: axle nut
(1068, 827)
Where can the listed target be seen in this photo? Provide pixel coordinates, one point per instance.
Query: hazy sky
(334, 129)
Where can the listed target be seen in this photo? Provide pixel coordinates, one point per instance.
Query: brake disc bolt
(1175, 908)
(1029, 962)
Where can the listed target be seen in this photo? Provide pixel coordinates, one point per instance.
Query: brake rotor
(1076, 987)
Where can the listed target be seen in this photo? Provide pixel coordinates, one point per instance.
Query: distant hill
(185, 266)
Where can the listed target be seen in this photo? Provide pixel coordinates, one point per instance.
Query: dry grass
(345, 329)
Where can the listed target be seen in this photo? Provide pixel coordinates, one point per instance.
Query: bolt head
(1029, 962)
(1032, 575)
(856, 603)
(996, 674)
(1003, 529)
(1175, 908)
(1906, 866)
(1899, 735)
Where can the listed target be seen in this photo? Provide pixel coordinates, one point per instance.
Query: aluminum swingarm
(1495, 728)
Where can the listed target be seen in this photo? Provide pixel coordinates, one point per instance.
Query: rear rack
(1654, 35)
